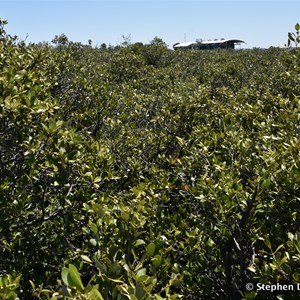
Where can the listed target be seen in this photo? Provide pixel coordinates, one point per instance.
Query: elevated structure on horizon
(209, 44)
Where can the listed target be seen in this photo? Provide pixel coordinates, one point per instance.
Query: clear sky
(259, 23)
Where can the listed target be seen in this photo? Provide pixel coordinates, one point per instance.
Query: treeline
(146, 173)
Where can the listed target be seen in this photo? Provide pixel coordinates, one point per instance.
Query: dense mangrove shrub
(146, 173)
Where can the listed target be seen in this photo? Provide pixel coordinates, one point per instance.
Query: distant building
(208, 44)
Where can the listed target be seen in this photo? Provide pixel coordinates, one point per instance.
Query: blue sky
(259, 23)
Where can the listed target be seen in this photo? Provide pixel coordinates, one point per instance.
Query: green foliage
(8, 287)
(143, 173)
(60, 40)
(294, 37)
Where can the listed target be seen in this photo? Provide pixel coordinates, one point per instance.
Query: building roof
(207, 42)
(221, 41)
(185, 44)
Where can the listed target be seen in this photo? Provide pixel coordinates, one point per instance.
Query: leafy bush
(145, 173)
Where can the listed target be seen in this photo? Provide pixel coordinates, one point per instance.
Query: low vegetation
(146, 173)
